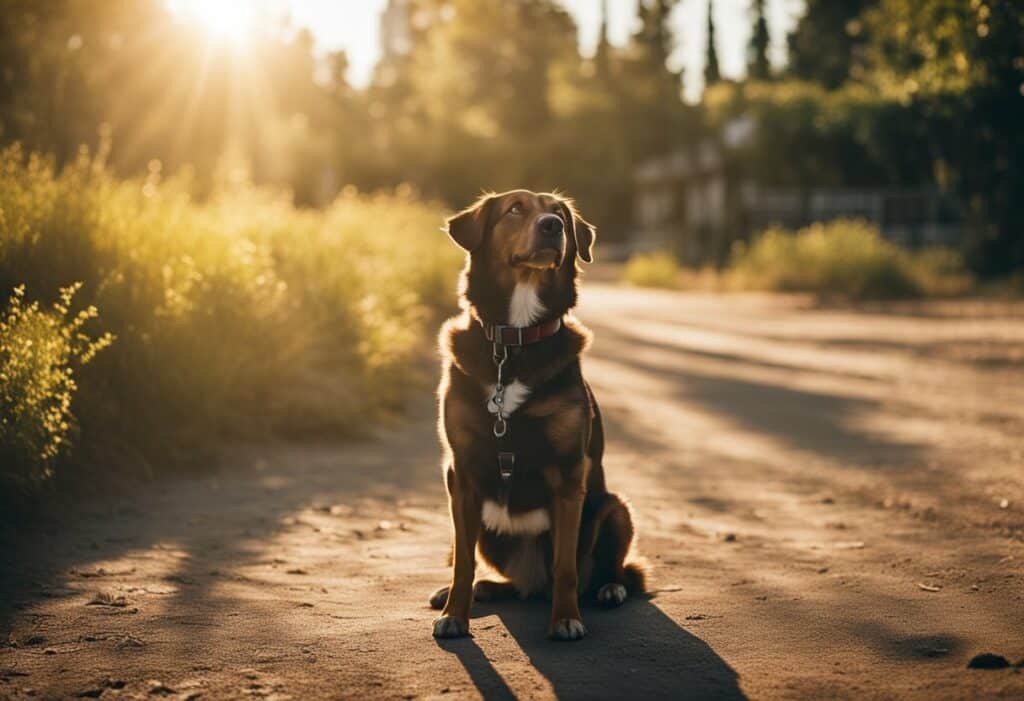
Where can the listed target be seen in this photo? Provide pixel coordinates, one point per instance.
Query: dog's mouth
(542, 258)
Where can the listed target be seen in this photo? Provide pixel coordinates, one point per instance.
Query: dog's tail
(636, 577)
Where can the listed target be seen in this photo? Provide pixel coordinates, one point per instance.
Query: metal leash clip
(506, 458)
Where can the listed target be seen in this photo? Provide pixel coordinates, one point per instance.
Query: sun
(229, 21)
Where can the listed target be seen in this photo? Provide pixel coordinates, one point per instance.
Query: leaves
(39, 352)
(241, 312)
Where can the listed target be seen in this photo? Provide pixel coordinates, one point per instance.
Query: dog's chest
(497, 518)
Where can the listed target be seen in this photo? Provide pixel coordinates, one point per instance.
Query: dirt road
(832, 502)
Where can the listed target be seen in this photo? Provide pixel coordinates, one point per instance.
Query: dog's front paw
(567, 629)
(611, 595)
(450, 627)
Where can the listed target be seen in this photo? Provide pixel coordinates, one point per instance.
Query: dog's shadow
(636, 651)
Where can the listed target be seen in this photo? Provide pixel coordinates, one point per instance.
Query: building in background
(699, 201)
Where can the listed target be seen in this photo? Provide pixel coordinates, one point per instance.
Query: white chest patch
(525, 308)
(515, 394)
(497, 518)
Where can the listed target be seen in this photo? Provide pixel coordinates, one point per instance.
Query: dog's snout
(550, 225)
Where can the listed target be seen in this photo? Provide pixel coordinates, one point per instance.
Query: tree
(758, 66)
(712, 73)
(603, 54)
(468, 94)
(654, 36)
(461, 97)
(653, 91)
(959, 67)
(827, 46)
(62, 61)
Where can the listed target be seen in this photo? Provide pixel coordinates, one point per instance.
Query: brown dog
(520, 429)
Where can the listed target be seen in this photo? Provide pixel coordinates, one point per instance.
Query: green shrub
(659, 269)
(847, 258)
(941, 272)
(39, 353)
(238, 314)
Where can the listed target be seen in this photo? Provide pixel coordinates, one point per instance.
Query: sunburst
(223, 20)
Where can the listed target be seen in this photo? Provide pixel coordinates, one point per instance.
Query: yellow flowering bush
(40, 350)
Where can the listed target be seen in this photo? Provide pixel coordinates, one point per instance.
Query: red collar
(521, 335)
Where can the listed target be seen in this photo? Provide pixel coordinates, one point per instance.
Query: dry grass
(237, 314)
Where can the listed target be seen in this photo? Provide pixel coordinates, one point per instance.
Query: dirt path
(833, 503)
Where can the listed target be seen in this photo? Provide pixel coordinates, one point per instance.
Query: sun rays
(230, 22)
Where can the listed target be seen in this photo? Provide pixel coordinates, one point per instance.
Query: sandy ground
(832, 502)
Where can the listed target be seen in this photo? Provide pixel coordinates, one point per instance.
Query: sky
(353, 25)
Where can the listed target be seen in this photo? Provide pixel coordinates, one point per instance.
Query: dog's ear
(467, 227)
(583, 231)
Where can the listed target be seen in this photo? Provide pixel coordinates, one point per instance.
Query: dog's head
(521, 237)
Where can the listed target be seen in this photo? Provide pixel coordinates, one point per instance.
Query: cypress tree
(712, 73)
(758, 67)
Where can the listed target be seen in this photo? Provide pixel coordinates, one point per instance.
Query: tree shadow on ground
(984, 349)
(817, 422)
(218, 521)
(637, 651)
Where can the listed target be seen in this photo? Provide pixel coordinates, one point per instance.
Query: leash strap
(506, 463)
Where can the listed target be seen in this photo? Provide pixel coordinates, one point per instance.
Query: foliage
(78, 72)
(809, 137)
(899, 93)
(478, 94)
(828, 44)
(241, 313)
(846, 258)
(932, 46)
(648, 91)
(712, 72)
(468, 95)
(658, 269)
(40, 350)
(758, 65)
(959, 68)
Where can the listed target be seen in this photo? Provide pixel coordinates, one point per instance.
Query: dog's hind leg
(610, 526)
(439, 598)
(483, 590)
(490, 590)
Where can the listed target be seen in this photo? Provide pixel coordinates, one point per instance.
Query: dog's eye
(515, 209)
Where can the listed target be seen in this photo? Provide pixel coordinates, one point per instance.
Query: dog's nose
(550, 225)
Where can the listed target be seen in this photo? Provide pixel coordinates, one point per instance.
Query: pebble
(988, 660)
